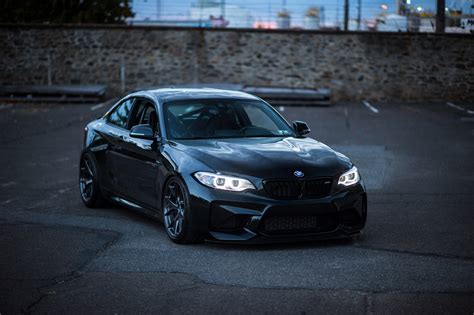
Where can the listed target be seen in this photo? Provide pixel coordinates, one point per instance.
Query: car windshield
(223, 118)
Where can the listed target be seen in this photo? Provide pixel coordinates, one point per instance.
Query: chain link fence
(351, 15)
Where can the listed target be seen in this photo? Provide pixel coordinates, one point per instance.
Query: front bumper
(249, 217)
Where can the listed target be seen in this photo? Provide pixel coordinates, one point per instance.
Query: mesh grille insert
(299, 224)
(292, 189)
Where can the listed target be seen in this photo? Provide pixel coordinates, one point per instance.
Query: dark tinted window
(119, 116)
(144, 113)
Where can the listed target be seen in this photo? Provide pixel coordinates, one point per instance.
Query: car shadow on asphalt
(139, 217)
(284, 246)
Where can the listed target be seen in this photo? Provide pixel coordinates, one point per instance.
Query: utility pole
(440, 16)
(158, 10)
(200, 13)
(359, 14)
(323, 17)
(346, 15)
(223, 9)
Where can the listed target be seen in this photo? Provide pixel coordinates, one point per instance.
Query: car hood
(267, 157)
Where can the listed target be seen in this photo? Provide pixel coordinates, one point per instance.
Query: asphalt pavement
(416, 254)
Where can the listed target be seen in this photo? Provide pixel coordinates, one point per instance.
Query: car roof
(176, 94)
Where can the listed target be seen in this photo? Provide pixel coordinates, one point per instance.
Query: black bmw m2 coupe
(222, 166)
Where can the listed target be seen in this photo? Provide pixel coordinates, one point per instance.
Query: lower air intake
(307, 224)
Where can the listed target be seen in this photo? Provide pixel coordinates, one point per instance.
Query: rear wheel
(177, 216)
(89, 187)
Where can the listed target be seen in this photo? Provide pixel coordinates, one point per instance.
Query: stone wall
(373, 66)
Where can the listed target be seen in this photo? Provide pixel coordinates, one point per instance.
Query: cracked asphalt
(416, 254)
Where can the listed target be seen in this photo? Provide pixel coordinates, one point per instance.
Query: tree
(65, 11)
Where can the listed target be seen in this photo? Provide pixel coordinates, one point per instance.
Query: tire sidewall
(186, 230)
(96, 197)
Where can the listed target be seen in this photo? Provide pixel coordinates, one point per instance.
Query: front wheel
(177, 216)
(89, 186)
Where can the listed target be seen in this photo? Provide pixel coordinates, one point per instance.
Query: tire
(89, 184)
(177, 215)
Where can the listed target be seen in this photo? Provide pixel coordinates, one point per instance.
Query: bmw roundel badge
(298, 173)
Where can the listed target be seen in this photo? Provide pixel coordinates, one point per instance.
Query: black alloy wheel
(177, 217)
(88, 182)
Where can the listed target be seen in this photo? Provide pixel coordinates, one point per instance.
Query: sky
(264, 10)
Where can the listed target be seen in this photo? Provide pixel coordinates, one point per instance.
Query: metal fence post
(122, 74)
(50, 75)
(346, 15)
(440, 16)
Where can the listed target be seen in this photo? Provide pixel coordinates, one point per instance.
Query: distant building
(467, 25)
(411, 22)
(312, 19)
(427, 24)
(392, 23)
(204, 13)
(364, 25)
(236, 16)
(283, 19)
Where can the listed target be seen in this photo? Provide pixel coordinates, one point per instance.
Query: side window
(145, 113)
(119, 116)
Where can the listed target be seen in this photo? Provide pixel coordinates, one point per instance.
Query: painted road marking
(462, 109)
(106, 103)
(346, 118)
(369, 106)
(96, 107)
(8, 184)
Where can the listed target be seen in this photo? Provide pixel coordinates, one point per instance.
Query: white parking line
(96, 107)
(462, 109)
(372, 108)
(6, 202)
(8, 184)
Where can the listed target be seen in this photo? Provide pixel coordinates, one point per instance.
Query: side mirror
(142, 132)
(301, 128)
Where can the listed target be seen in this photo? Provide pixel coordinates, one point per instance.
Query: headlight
(350, 177)
(223, 182)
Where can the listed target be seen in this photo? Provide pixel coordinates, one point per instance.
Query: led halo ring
(350, 177)
(223, 182)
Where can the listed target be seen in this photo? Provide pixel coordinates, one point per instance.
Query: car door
(141, 157)
(115, 131)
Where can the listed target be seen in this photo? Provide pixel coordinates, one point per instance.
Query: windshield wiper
(263, 136)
